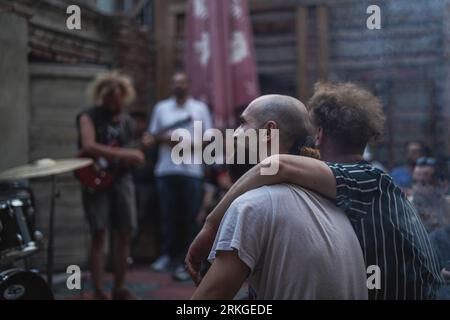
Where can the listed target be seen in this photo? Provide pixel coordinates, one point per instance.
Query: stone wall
(57, 94)
(14, 106)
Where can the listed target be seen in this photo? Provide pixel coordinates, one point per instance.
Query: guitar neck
(176, 125)
(137, 144)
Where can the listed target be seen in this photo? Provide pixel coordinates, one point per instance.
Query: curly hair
(350, 115)
(108, 82)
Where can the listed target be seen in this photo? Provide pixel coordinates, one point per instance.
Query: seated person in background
(289, 242)
(430, 185)
(440, 239)
(402, 174)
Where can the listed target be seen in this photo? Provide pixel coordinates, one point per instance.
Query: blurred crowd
(424, 178)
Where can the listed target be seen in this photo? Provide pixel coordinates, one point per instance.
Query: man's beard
(179, 93)
(238, 170)
(116, 111)
(430, 192)
(431, 206)
(411, 162)
(428, 199)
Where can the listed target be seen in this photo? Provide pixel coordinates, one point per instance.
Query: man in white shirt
(288, 242)
(179, 186)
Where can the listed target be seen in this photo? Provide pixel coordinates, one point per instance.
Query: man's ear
(319, 137)
(269, 126)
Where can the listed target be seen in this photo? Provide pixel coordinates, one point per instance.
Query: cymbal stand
(50, 248)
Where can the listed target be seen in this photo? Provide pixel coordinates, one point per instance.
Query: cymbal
(45, 167)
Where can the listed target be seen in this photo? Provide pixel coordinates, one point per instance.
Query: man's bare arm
(306, 172)
(224, 279)
(94, 149)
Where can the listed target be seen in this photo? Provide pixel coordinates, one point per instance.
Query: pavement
(141, 281)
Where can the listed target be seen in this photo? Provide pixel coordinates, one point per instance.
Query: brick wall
(136, 58)
(109, 41)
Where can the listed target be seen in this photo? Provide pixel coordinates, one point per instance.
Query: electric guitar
(102, 173)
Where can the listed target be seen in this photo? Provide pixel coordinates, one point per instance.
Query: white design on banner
(203, 49)
(200, 10)
(236, 9)
(239, 48)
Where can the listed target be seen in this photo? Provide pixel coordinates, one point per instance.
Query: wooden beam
(163, 42)
(432, 136)
(178, 8)
(302, 47)
(323, 38)
(263, 5)
(171, 35)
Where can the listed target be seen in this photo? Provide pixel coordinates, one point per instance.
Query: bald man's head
(289, 114)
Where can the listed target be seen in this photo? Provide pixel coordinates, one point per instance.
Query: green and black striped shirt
(390, 231)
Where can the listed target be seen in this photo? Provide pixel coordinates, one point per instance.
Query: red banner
(220, 56)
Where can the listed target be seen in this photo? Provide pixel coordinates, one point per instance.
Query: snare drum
(17, 238)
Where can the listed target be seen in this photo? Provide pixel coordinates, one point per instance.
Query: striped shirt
(390, 232)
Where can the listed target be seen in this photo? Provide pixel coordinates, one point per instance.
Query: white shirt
(167, 113)
(297, 244)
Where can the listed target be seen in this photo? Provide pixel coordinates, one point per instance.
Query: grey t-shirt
(297, 244)
(167, 113)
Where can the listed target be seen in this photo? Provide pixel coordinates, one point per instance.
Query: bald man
(287, 242)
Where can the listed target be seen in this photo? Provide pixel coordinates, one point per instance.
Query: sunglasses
(426, 161)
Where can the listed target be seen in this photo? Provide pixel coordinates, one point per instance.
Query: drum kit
(18, 237)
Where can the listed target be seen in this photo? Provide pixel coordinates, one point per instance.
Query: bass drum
(19, 284)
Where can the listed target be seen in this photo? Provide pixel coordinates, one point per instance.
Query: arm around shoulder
(307, 172)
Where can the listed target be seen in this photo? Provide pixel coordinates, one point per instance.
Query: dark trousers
(179, 197)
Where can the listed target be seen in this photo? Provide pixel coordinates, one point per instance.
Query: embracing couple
(311, 230)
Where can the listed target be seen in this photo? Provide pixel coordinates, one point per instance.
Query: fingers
(147, 140)
(193, 269)
(141, 157)
(200, 218)
(192, 272)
